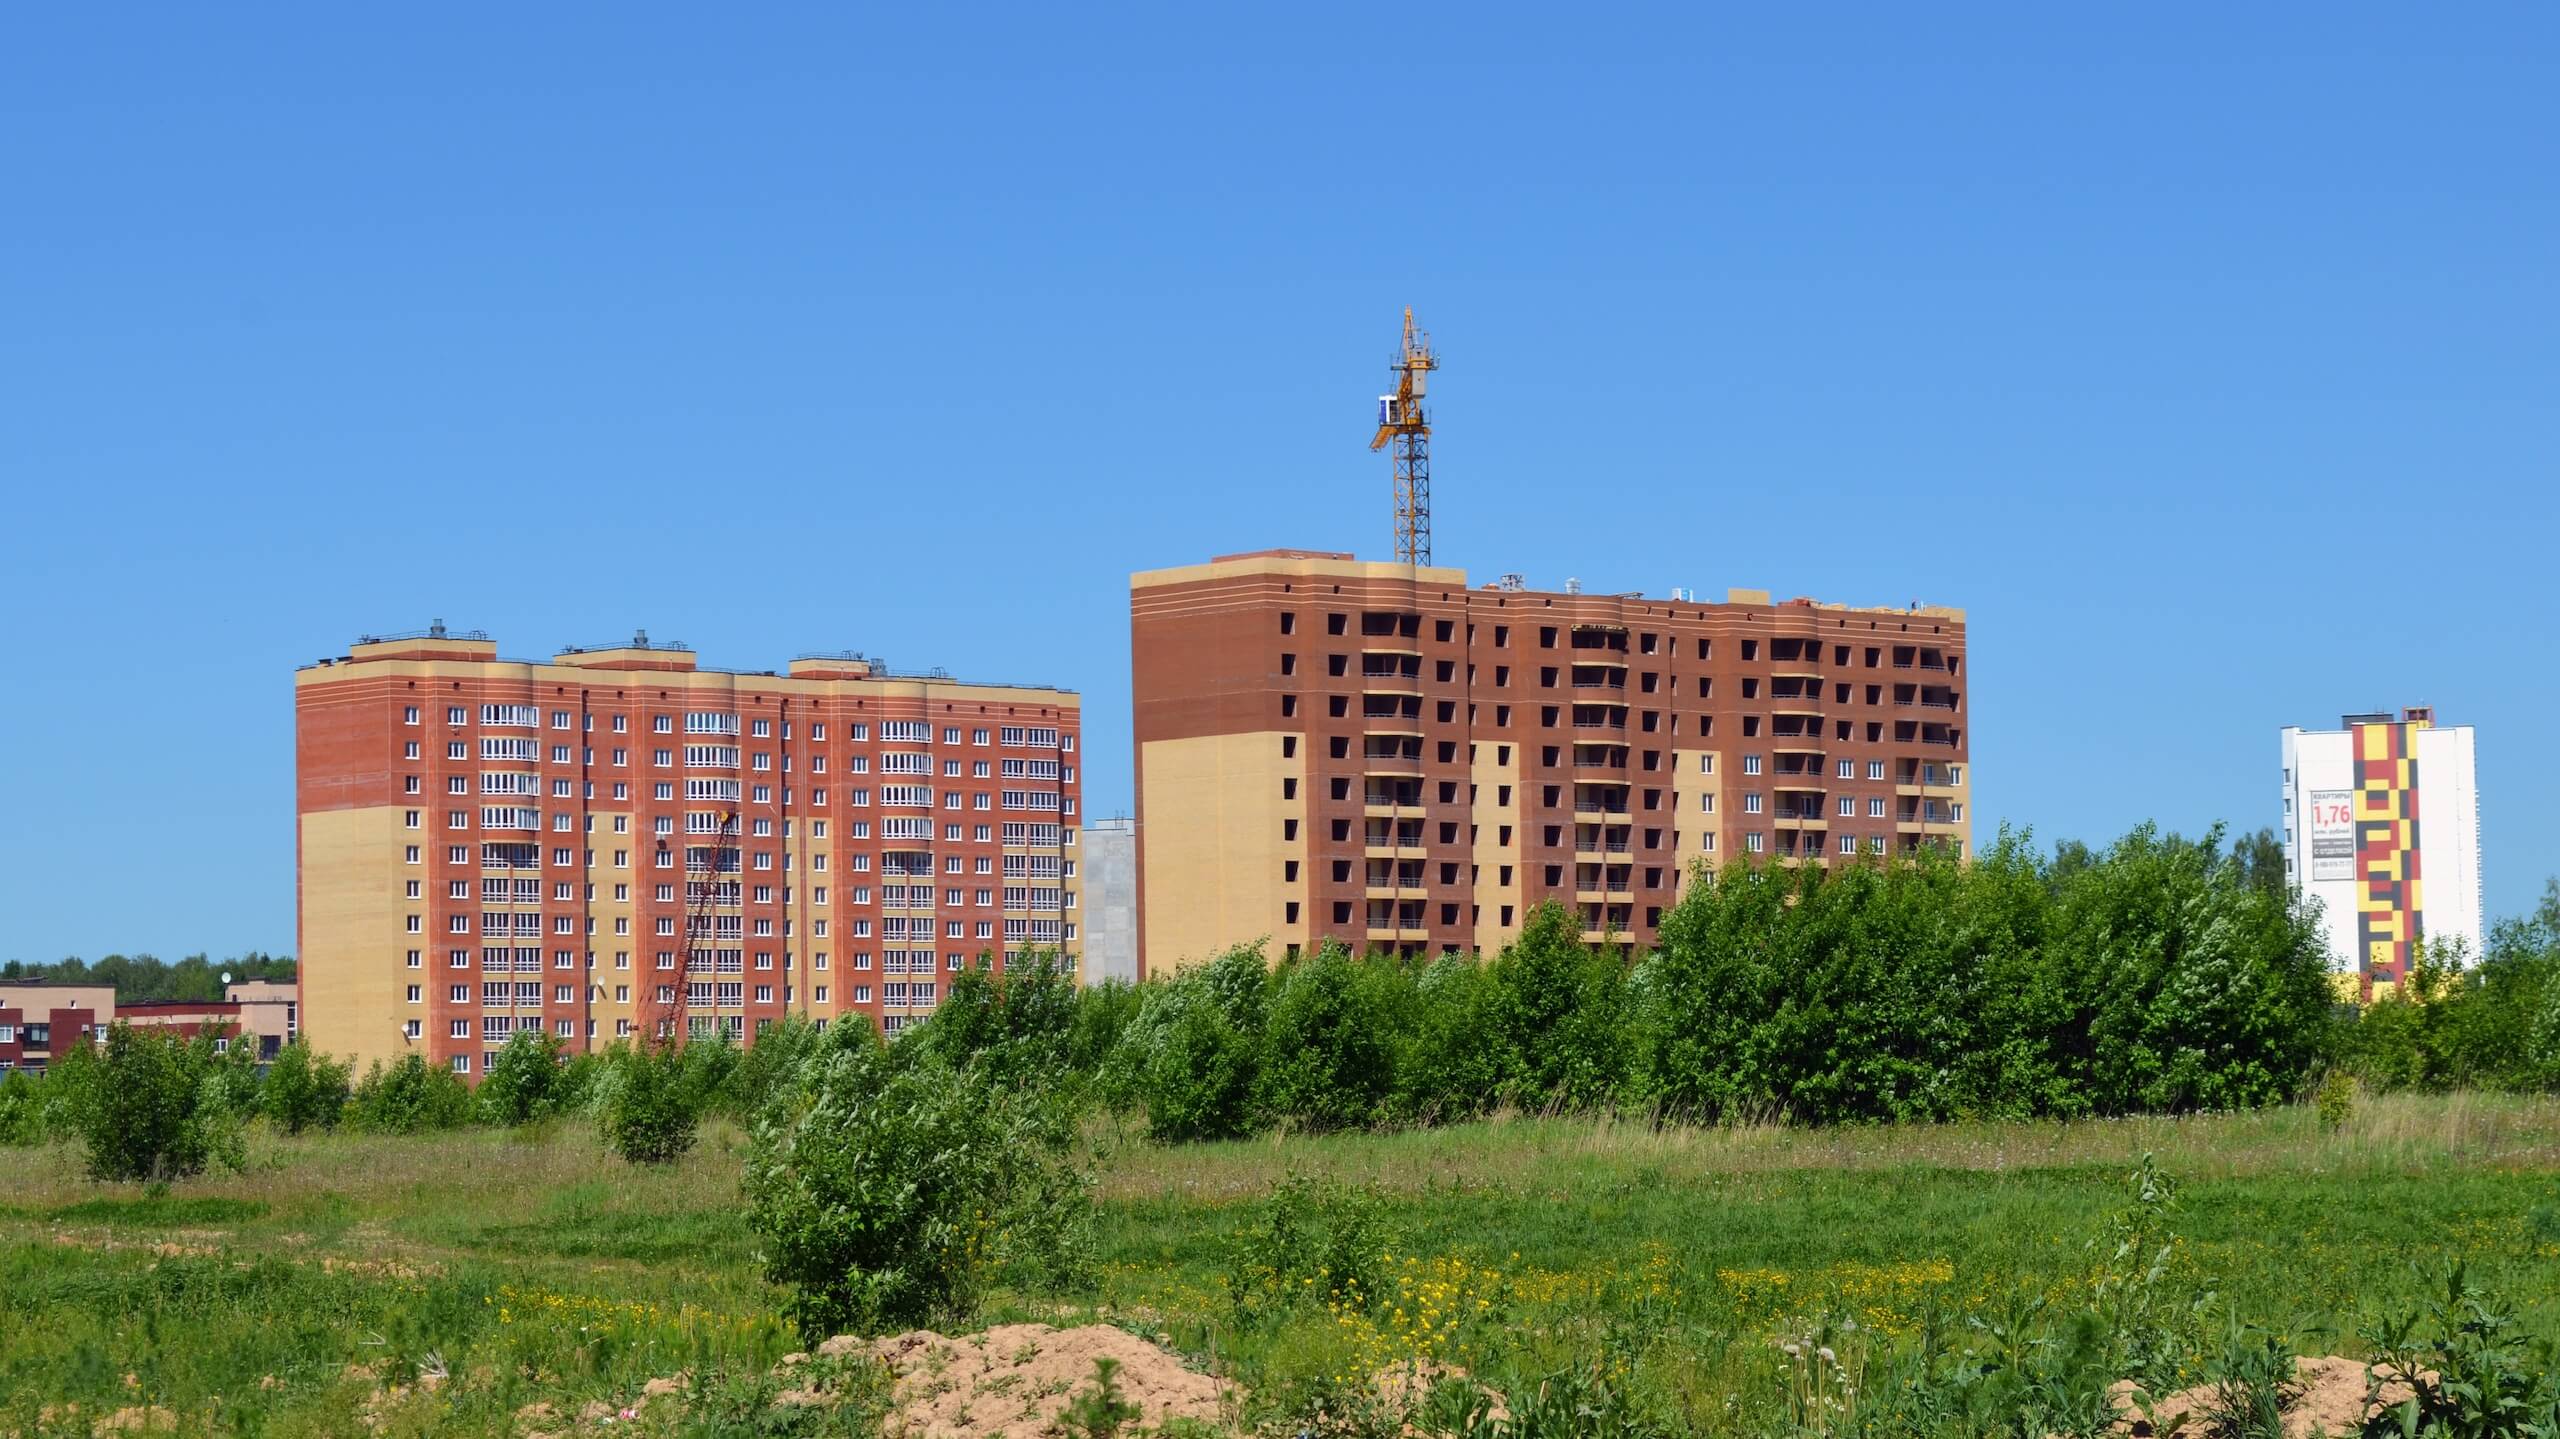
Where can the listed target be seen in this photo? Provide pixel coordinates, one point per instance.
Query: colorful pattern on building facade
(2390, 904)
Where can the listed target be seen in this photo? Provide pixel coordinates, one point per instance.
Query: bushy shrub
(304, 1090)
(523, 1083)
(767, 1066)
(888, 1189)
(1103, 1013)
(652, 1107)
(409, 1096)
(1559, 1018)
(1449, 1069)
(2156, 976)
(2452, 1023)
(151, 1106)
(704, 1064)
(21, 1110)
(1329, 1042)
(1310, 1242)
(1016, 1024)
(1187, 1063)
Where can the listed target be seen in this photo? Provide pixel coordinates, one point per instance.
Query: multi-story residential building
(2390, 872)
(602, 842)
(39, 1022)
(1378, 754)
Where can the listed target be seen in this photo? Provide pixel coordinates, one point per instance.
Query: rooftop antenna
(1401, 420)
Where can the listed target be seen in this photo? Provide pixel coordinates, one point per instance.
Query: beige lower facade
(355, 944)
(1213, 865)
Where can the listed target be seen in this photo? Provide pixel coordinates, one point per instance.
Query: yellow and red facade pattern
(2390, 900)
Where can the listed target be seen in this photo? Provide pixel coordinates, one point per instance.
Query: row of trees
(195, 979)
(2157, 974)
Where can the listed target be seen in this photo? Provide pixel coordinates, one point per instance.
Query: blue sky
(2207, 354)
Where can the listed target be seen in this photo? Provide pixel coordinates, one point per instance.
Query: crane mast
(710, 885)
(1402, 423)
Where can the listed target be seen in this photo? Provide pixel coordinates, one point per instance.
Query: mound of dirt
(2331, 1401)
(1012, 1381)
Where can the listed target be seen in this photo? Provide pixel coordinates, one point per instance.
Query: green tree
(1559, 1015)
(304, 1090)
(1328, 1045)
(409, 1096)
(652, 1109)
(1189, 1056)
(22, 1123)
(523, 1083)
(887, 1189)
(2198, 990)
(1447, 1071)
(149, 1107)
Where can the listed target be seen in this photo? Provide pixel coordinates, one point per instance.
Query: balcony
(1386, 934)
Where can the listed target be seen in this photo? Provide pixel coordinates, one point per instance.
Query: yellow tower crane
(1401, 420)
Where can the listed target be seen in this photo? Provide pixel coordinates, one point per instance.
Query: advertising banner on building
(2333, 834)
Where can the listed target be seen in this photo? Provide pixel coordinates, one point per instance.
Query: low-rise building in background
(39, 1022)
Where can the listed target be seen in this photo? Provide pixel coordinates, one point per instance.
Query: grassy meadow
(440, 1285)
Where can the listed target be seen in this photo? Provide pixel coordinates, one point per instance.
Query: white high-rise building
(2382, 826)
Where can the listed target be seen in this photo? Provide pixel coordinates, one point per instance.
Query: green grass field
(440, 1285)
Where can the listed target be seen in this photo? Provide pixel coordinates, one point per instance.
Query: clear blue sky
(2209, 354)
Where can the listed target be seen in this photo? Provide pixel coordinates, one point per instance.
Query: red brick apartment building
(595, 843)
(1375, 753)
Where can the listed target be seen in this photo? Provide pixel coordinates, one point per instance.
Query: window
(409, 715)
(1848, 769)
(1875, 769)
(1755, 841)
(1875, 807)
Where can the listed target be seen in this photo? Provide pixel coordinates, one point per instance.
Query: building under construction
(1378, 753)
